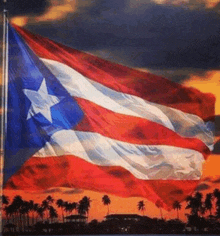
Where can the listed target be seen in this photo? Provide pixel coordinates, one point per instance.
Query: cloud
(142, 33)
(20, 20)
(208, 82)
(179, 75)
(58, 10)
(192, 4)
(217, 147)
(207, 179)
(26, 7)
(202, 187)
(216, 181)
(156, 37)
(73, 191)
(53, 10)
(217, 126)
(52, 190)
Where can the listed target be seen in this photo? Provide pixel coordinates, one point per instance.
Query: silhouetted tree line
(29, 217)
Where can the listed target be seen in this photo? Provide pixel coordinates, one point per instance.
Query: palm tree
(47, 203)
(195, 204)
(45, 206)
(17, 205)
(35, 209)
(81, 208)
(52, 213)
(141, 206)
(5, 200)
(9, 211)
(60, 204)
(198, 197)
(67, 207)
(49, 199)
(25, 209)
(84, 205)
(159, 204)
(40, 211)
(208, 202)
(74, 205)
(216, 194)
(177, 206)
(106, 201)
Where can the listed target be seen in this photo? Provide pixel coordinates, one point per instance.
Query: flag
(75, 120)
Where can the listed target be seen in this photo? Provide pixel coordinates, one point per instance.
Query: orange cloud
(58, 10)
(207, 83)
(20, 20)
(192, 4)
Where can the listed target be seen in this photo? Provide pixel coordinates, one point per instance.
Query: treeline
(25, 213)
(22, 214)
(204, 215)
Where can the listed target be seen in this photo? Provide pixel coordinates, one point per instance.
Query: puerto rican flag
(75, 120)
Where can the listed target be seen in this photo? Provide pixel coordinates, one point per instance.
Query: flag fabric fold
(75, 120)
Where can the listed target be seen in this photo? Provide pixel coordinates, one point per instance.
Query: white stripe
(187, 125)
(143, 161)
(79, 86)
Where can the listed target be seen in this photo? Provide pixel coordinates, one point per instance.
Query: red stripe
(123, 79)
(70, 171)
(132, 129)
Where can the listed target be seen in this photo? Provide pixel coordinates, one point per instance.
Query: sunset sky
(179, 39)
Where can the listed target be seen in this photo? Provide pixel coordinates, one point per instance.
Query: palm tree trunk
(20, 222)
(62, 214)
(7, 218)
(161, 213)
(87, 216)
(177, 214)
(28, 223)
(32, 218)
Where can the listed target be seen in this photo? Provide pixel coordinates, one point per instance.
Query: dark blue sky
(138, 35)
(152, 36)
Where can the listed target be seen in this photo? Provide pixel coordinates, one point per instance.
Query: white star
(41, 101)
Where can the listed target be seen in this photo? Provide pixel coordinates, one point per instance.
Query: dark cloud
(202, 187)
(52, 190)
(217, 7)
(217, 147)
(151, 36)
(217, 125)
(216, 181)
(207, 179)
(12, 185)
(73, 191)
(21, 7)
(179, 75)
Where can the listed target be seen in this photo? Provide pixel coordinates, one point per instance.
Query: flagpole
(4, 97)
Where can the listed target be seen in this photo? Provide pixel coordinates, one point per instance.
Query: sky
(179, 39)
